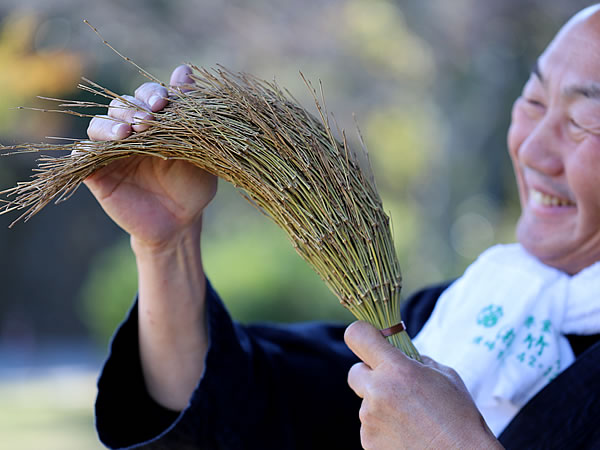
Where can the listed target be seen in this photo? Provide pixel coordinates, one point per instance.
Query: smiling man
(554, 141)
(515, 341)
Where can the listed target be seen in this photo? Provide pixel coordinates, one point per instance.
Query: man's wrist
(186, 239)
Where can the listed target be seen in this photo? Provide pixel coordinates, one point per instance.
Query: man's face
(554, 144)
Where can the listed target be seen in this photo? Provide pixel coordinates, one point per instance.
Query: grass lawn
(52, 410)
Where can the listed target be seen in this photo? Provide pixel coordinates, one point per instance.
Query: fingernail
(140, 117)
(117, 129)
(152, 101)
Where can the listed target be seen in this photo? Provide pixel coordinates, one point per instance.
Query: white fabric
(501, 326)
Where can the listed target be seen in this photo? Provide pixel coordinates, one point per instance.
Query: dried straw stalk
(287, 163)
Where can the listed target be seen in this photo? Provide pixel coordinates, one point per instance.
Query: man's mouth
(541, 198)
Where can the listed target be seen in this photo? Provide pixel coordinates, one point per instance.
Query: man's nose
(541, 149)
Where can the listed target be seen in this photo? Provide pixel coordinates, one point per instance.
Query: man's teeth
(548, 200)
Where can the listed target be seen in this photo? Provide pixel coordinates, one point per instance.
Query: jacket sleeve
(264, 386)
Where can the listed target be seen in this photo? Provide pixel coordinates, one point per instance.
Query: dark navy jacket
(284, 387)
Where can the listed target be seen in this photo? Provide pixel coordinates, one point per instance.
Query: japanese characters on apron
(501, 326)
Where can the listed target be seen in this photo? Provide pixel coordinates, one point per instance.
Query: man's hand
(152, 199)
(407, 404)
(160, 204)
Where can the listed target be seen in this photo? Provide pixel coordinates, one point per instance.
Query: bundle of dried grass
(286, 162)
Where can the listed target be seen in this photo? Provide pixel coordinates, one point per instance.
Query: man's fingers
(125, 110)
(358, 376)
(368, 344)
(103, 128)
(181, 76)
(153, 95)
(449, 372)
(149, 98)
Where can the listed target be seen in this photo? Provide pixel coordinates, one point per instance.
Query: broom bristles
(287, 163)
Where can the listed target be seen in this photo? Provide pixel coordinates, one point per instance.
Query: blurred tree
(108, 290)
(27, 72)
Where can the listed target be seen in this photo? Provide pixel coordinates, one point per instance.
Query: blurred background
(431, 85)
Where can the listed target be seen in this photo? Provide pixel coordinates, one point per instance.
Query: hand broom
(286, 162)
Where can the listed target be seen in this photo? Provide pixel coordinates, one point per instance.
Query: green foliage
(108, 290)
(255, 269)
(260, 277)
(405, 143)
(378, 31)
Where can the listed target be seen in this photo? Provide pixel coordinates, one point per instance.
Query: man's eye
(533, 108)
(575, 124)
(535, 102)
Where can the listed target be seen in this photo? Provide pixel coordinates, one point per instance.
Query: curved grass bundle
(286, 162)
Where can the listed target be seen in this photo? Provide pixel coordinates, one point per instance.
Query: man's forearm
(173, 335)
